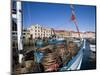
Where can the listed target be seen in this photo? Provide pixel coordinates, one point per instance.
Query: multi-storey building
(39, 31)
(83, 34)
(89, 34)
(76, 34)
(62, 33)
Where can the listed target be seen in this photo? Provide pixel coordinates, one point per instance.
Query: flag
(73, 18)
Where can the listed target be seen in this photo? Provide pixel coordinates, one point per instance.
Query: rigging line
(29, 15)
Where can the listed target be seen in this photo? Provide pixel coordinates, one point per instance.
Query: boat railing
(79, 55)
(72, 61)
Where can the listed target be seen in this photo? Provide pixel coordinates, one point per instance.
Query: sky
(58, 16)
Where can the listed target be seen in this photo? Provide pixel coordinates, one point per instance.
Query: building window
(35, 27)
(23, 33)
(14, 33)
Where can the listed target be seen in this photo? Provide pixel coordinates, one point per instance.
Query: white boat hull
(92, 48)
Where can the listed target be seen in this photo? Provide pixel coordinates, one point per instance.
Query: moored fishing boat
(74, 62)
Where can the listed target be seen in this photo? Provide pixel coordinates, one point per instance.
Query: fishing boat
(76, 61)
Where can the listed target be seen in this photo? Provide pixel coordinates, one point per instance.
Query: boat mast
(73, 18)
(19, 28)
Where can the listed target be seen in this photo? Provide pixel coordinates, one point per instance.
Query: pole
(77, 29)
(19, 29)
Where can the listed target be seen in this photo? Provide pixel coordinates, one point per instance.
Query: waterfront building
(62, 34)
(89, 34)
(40, 31)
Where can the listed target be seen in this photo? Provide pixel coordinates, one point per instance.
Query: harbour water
(89, 58)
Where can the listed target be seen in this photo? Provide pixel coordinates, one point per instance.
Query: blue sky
(58, 16)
